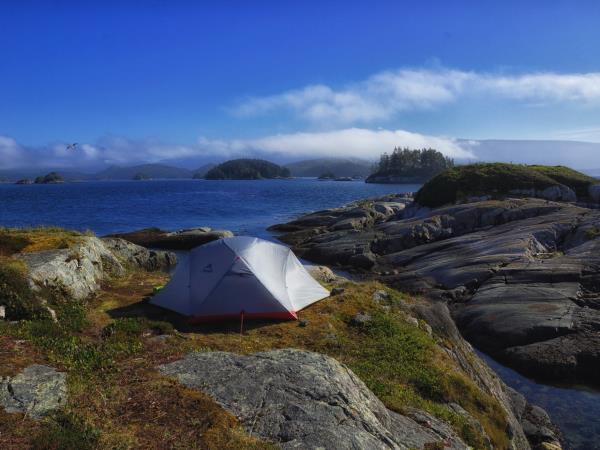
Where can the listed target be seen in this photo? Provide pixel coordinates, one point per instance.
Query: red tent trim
(280, 315)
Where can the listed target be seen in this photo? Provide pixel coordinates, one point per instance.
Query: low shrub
(15, 293)
(66, 431)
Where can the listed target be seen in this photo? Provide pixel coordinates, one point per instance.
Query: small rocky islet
(380, 364)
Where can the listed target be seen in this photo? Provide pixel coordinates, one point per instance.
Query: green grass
(15, 240)
(497, 179)
(63, 343)
(402, 365)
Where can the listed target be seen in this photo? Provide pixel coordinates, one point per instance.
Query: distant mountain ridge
(148, 170)
(141, 171)
(340, 167)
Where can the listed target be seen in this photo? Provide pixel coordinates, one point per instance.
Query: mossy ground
(110, 350)
(21, 240)
(493, 179)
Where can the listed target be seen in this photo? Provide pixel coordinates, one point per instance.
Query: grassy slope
(118, 399)
(497, 178)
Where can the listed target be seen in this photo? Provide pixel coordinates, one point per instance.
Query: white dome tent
(240, 276)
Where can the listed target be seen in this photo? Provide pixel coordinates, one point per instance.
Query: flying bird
(72, 146)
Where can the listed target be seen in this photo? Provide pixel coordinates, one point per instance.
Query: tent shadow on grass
(182, 323)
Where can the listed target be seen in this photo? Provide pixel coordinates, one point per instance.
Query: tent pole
(241, 323)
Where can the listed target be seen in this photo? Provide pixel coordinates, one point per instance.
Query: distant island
(247, 169)
(327, 176)
(50, 178)
(404, 165)
(341, 167)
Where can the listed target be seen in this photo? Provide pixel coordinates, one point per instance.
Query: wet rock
(175, 240)
(538, 427)
(301, 399)
(36, 391)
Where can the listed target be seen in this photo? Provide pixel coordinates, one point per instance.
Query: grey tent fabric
(240, 275)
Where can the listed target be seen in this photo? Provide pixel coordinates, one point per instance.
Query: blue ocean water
(245, 207)
(575, 409)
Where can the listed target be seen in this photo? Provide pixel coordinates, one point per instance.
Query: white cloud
(385, 94)
(349, 142)
(354, 142)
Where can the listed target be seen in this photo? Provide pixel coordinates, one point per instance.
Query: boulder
(36, 391)
(594, 193)
(323, 274)
(74, 272)
(381, 296)
(173, 240)
(301, 399)
(361, 319)
(78, 272)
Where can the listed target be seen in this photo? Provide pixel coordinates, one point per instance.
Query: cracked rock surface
(300, 399)
(36, 391)
(522, 276)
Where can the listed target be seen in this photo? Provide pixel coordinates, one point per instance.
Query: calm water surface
(576, 410)
(245, 207)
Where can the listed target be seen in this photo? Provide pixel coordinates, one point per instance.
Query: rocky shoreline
(520, 275)
(320, 383)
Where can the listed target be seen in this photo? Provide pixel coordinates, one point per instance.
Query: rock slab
(306, 400)
(173, 240)
(36, 391)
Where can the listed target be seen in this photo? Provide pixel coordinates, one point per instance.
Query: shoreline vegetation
(406, 166)
(247, 169)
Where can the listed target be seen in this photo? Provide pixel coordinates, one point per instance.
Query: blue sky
(160, 80)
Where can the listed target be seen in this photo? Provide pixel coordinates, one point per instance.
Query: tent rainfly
(239, 276)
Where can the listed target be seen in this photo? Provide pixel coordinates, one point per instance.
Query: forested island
(247, 169)
(404, 165)
(50, 178)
